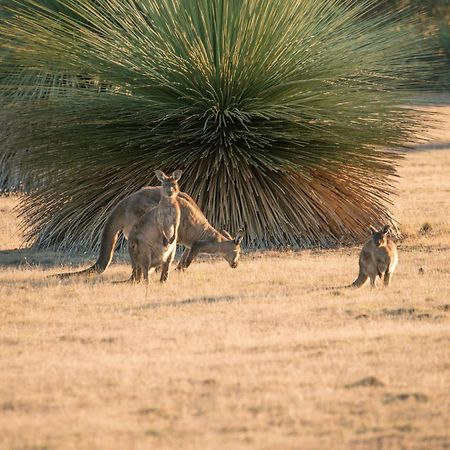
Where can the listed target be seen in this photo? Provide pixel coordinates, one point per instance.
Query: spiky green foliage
(282, 113)
(12, 179)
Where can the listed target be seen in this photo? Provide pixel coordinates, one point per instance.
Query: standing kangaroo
(378, 256)
(193, 227)
(153, 239)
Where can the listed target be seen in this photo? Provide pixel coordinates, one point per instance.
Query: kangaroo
(378, 256)
(193, 227)
(153, 239)
(226, 245)
(168, 212)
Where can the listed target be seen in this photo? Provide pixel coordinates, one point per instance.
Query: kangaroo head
(169, 185)
(379, 237)
(231, 248)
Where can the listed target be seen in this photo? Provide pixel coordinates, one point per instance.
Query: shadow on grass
(426, 147)
(25, 257)
(204, 300)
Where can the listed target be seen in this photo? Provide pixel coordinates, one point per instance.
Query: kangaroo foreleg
(192, 254)
(182, 262)
(168, 240)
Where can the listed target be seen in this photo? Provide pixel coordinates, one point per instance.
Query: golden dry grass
(257, 357)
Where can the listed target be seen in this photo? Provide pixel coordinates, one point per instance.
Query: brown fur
(194, 227)
(153, 239)
(168, 213)
(378, 257)
(227, 246)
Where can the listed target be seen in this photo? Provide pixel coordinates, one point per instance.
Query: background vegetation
(282, 114)
(433, 18)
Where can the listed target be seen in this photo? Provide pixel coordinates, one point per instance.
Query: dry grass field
(261, 357)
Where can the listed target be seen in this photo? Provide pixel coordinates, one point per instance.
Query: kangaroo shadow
(26, 257)
(46, 259)
(204, 300)
(426, 146)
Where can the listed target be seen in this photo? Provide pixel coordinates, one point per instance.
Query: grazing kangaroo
(226, 245)
(153, 239)
(193, 227)
(378, 256)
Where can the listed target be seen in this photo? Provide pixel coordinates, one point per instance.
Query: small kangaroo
(378, 256)
(153, 239)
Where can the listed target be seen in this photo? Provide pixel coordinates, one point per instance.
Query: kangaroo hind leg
(136, 274)
(387, 278)
(166, 267)
(144, 263)
(135, 257)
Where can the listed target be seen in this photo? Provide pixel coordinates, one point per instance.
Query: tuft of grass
(283, 114)
(425, 228)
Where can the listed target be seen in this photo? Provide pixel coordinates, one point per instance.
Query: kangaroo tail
(107, 246)
(362, 278)
(90, 270)
(356, 284)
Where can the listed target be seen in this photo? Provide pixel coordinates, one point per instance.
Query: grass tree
(285, 115)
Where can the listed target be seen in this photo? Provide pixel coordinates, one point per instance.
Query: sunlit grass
(268, 355)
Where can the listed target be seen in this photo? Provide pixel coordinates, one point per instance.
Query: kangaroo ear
(160, 175)
(227, 235)
(386, 229)
(177, 175)
(372, 229)
(239, 236)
